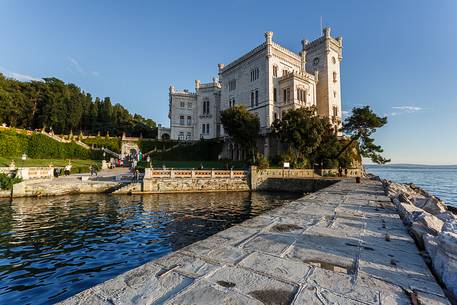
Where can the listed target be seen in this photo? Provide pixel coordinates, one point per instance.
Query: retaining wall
(26, 173)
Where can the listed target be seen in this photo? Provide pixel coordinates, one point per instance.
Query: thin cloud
(75, 64)
(408, 108)
(345, 113)
(18, 76)
(77, 67)
(399, 110)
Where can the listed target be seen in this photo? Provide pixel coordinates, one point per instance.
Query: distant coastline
(410, 165)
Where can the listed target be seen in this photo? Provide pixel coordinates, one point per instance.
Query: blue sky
(400, 57)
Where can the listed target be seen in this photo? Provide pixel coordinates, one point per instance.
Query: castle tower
(324, 55)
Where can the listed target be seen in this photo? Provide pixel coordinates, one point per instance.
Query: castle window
(257, 97)
(333, 60)
(181, 135)
(188, 136)
(334, 77)
(252, 98)
(285, 72)
(335, 111)
(181, 120)
(276, 116)
(189, 120)
(284, 95)
(275, 98)
(232, 85)
(207, 128)
(254, 74)
(334, 94)
(203, 128)
(206, 107)
(275, 71)
(189, 105)
(182, 104)
(288, 94)
(316, 61)
(301, 95)
(231, 102)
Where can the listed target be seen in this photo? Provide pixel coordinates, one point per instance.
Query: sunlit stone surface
(342, 245)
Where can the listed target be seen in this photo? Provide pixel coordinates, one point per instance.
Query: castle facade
(268, 80)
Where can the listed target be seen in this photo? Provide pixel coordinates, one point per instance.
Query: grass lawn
(196, 164)
(45, 162)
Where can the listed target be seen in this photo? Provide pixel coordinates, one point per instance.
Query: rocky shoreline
(432, 224)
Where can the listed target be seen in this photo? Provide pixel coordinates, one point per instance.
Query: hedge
(113, 144)
(13, 144)
(149, 145)
(38, 146)
(203, 150)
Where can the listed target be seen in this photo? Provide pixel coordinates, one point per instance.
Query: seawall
(432, 225)
(344, 244)
(41, 182)
(60, 186)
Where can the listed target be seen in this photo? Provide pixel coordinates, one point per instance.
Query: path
(342, 245)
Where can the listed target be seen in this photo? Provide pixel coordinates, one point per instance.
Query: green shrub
(203, 150)
(150, 145)
(7, 181)
(38, 146)
(261, 161)
(295, 159)
(12, 144)
(79, 169)
(113, 144)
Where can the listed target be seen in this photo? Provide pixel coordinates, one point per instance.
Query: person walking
(67, 169)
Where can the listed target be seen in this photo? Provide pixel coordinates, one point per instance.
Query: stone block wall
(189, 184)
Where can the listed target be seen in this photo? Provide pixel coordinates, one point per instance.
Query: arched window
(335, 77)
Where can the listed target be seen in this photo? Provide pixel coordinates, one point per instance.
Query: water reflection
(52, 248)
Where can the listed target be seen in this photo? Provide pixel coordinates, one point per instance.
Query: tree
(309, 137)
(362, 123)
(243, 127)
(65, 108)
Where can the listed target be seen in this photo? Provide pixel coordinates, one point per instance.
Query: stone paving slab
(344, 244)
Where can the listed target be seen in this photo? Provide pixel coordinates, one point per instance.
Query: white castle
(268, 80)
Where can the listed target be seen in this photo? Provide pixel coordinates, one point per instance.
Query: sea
(438, 180)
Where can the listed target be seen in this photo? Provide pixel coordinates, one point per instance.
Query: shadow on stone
(273, 296)
(226, 284)
(285, 228)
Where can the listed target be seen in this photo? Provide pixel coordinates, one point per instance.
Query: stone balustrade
(150, 173)
(26, 173)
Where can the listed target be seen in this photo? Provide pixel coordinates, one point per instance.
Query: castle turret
(324, 56)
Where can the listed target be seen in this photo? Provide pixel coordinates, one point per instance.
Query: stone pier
(344, 244)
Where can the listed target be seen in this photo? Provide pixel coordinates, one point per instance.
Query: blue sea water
(438, 180)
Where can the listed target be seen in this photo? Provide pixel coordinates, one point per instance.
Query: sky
(399, 57)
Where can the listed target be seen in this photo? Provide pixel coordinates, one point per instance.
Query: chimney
(197, 84)
(304, 43)
(326, 31)
(269, 37)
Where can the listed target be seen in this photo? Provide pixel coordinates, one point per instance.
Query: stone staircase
(128, 188)
(168, 149)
